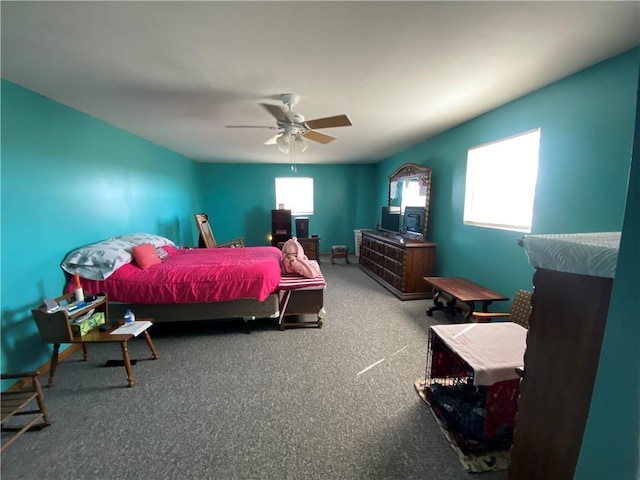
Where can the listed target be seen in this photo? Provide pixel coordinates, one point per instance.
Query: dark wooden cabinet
(311, 247)
(280, 227)
(566, 329)
(398, 264)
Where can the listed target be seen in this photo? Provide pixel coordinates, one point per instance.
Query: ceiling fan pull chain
(293, 157)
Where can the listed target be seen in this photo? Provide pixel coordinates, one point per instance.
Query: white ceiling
(177, 72)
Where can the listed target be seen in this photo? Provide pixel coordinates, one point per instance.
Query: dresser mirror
(410, 191)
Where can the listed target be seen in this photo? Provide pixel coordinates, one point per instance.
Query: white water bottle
(129, 318)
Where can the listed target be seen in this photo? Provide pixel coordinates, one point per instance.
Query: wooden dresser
(398, 264)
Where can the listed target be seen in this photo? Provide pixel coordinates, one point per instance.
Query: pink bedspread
(202, 275)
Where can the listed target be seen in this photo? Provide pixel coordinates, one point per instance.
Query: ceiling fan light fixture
(284, 142)
(302, 142)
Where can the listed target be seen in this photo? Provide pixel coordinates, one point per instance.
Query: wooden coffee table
(461, 290)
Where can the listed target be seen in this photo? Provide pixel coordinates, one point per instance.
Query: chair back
(206, 235)
(521, 308)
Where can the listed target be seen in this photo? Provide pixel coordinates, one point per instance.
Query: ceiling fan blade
(251, 126)
(272, 140)
(329, 122)
(276, 111)
(318, 137)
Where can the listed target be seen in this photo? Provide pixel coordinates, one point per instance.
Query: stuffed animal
(295, 261)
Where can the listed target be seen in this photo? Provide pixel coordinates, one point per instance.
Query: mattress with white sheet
(594, 254)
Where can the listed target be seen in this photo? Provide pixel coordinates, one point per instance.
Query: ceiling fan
(294, 128)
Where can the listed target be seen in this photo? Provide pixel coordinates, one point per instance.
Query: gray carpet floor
(333, 403)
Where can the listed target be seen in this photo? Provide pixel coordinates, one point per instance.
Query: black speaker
(302, 227)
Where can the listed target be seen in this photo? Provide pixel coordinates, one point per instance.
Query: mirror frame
(412, 170)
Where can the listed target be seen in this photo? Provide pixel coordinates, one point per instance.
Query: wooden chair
(15, 402)
(207, 239)
(520, 311)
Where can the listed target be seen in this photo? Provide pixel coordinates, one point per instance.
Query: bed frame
(278, 305)
(246, 309)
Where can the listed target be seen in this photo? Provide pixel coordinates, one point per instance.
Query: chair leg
(41, 403)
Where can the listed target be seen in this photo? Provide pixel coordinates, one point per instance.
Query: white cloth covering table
(492, 350)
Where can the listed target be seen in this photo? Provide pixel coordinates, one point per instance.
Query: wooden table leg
(127, 362)
(437, 304)
(472, 308)
(147, 337)
(485, 305)
(54, 363)
(85, 352)
(452, 307)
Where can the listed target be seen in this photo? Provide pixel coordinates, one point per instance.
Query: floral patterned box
(88, 324)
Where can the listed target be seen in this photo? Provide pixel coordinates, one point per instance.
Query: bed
(186, 284)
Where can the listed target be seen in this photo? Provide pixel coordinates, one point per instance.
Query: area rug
(472, 462)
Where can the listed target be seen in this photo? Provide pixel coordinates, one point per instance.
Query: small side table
(55, 328)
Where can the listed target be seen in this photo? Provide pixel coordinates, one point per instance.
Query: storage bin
(358, 240)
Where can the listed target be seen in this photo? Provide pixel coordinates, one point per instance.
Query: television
(413, 220)
(390, 219)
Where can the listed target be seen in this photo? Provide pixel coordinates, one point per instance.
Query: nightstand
(311, 247)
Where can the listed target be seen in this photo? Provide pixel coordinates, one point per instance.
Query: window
(296, 194)
(501, 183)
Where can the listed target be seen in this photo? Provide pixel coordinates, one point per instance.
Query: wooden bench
(299, 296)
(461, 290)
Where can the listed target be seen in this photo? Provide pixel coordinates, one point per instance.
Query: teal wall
(587, 125)
(68, 180)
(239, 199)
(613, 429)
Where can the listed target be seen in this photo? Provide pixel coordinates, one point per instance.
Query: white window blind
(296, 194)
(501, 182)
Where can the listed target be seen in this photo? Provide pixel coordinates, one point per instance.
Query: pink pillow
(145, 255)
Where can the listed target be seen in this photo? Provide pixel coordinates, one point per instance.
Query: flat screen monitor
(390, 220)
(414, 219)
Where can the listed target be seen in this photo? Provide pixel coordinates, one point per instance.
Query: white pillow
(98, 260)
(140, 238)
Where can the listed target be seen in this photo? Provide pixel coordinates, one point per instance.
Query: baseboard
(44, 368)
